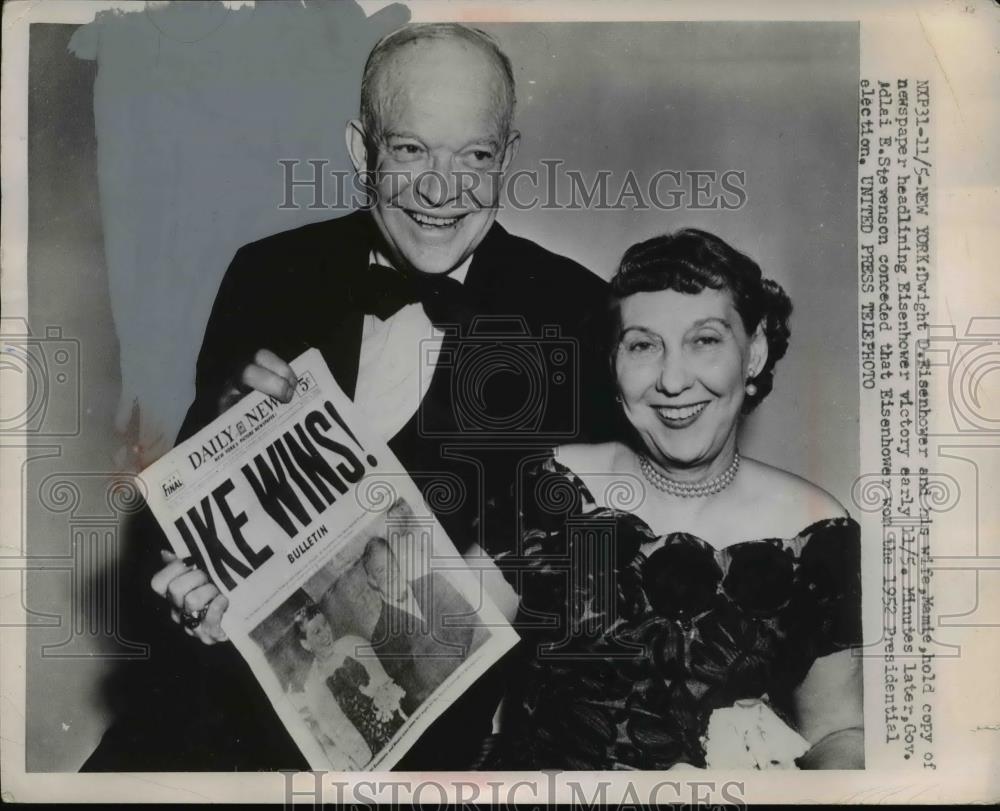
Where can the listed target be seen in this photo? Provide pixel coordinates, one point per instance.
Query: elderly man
(425, 629)
(422, 306)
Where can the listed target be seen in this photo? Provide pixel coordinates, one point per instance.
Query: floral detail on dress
(376, 726)
(627, 656)
(681, 578)
(760, 577)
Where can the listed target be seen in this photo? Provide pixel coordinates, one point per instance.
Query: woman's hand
(842, 749)
(830, 713)
(195, 602)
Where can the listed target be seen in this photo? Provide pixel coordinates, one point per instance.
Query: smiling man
(436, 130)
(466, 347)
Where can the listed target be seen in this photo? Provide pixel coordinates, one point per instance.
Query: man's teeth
(437, 222)
(682, 412)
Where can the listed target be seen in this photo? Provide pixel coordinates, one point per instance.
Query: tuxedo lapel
(339, 323)
(483, 281)
(341, 348)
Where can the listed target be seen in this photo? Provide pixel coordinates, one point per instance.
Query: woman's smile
(680, 416)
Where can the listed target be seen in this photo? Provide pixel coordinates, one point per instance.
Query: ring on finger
(192, 619)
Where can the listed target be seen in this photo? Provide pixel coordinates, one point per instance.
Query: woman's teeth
(433, 222)
(681, 412)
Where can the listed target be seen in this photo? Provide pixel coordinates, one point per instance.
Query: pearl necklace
(684, 490)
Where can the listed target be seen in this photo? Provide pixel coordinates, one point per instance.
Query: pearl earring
(751, 388)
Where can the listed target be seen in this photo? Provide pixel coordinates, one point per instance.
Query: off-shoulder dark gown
(626, 657)
(345, 684)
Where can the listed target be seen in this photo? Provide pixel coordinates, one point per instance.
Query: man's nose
(675, 373)
(437, 185)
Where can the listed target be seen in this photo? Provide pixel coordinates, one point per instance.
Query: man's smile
(435, 223)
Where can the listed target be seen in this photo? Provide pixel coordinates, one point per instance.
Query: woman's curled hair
(690, 260)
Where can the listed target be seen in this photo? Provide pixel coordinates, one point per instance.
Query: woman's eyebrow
(701, 322)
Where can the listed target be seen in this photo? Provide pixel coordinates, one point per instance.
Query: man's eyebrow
(635, 327)
(401, 134)
(487, 140)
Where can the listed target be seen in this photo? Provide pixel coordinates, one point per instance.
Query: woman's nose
(675, 376)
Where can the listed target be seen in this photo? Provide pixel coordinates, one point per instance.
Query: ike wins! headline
(293, 458)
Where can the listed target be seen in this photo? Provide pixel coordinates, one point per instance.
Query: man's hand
(267, 373)
(190, 594)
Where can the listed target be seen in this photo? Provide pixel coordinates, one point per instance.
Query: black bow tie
(383, 291)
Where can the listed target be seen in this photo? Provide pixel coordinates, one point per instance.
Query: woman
(732, 586)
(347, 693)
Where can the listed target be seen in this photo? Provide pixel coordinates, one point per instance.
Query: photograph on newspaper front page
(519, 401)
(358, 648)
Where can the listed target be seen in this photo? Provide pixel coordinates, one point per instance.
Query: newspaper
(346, 597)
(849, 149)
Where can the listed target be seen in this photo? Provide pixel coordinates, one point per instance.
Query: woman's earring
(751, 387)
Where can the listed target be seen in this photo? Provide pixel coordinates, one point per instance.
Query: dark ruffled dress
(626, 656)
(345, 684)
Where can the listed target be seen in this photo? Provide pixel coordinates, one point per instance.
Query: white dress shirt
(398, 357)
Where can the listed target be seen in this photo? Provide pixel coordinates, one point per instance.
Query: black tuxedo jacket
(539, 317)
(420, 653)
(198, 708)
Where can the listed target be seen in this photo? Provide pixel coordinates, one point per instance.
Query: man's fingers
(264, 380)
(178, 588)
(163, 578)
(209, 630)
(266, 373)
(199, 597)
(212, 624)
(266, 359)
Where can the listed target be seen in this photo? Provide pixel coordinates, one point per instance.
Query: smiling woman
(696, 334)
(730, 591)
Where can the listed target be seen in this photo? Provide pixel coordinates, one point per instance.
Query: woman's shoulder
(787, 498)
(589, 458)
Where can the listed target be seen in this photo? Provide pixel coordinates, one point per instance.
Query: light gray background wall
(775, 100)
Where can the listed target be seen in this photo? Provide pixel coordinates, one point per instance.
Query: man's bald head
(434, 142)
(386, 70)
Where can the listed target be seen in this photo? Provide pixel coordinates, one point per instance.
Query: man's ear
(510, 149)
(357, 145)
(758, 351)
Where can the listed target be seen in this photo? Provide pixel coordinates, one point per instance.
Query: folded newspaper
(357, 615)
